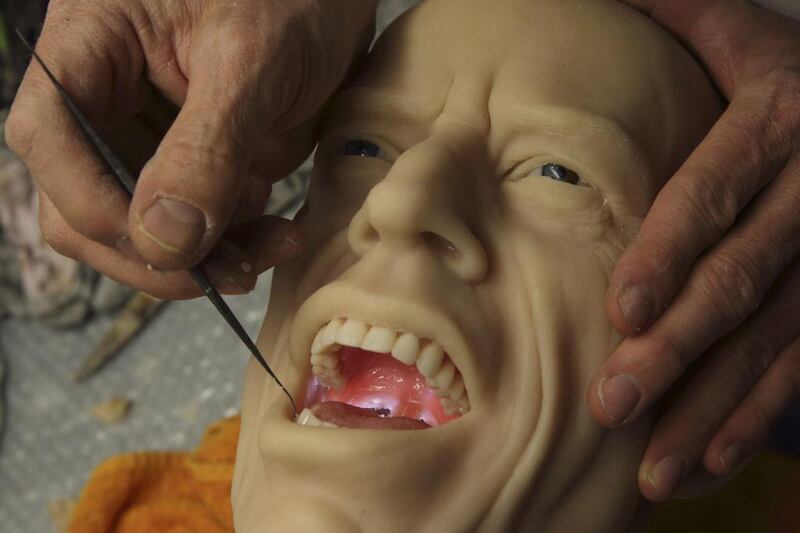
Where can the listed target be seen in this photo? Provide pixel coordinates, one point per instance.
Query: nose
(424, 200)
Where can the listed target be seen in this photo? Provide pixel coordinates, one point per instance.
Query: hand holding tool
(127, 180)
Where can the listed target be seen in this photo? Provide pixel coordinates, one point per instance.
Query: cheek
(564, 262)
(564, 281)
(330, 206)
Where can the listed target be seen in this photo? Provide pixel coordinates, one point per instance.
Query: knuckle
(242, 42)
(710, 202)
(774, 112)
(786, 83)
(671, 354)
(54, 233)
(701, 427)
(95, 224)
(734, 286)
(658, 257)
(101, 221)
(254, 40)
(20, 132)
(201, 154)
(750, 359)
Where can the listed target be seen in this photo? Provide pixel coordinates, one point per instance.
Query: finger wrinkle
(746, 365)
(667, 356)
(710, 208)
(733, 284)
(699, 428)
(157, 28)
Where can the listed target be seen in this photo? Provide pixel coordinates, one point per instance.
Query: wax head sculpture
(472, 191)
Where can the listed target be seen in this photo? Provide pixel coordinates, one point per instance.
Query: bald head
(598, 56)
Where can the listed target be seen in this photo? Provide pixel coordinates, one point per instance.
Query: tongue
(350, 416)
(379, 381)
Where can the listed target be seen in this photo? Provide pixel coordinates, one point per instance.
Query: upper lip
(335, 301)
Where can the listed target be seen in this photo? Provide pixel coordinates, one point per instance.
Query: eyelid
(513, 169)
(529, 165)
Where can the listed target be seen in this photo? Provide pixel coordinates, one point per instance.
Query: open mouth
(372, 377)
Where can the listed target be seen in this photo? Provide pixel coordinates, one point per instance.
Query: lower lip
(342, 415)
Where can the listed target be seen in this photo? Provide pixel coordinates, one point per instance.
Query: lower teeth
(308, 418)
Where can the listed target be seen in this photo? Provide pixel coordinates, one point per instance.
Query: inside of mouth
(378, 387)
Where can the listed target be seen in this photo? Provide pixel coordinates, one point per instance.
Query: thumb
(187, 193)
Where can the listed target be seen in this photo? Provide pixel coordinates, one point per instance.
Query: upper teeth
(429, 358)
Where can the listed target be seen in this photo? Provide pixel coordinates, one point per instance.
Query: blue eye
(557, 173)
(362, 148)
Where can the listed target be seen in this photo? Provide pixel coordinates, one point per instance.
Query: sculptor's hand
(713, 278)
(248, 77)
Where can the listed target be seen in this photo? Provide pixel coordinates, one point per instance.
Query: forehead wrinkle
(571, 121)
(467, 104)
(374, 108)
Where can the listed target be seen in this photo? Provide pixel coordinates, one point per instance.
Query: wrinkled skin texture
(448, 231)
(212, 100)
(716, 262)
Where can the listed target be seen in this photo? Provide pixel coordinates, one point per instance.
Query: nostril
(369, 234)
(441, 245)
(464, 255)
(362, 235)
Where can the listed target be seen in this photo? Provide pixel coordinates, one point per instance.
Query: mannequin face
(471, 193)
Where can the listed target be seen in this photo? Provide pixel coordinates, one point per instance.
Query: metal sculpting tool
(127, 180)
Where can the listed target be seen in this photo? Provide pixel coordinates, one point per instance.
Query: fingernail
(286, 248)
(174, 225)
(232, 285)
(229, 269)
(636, 303)
(125, 247)
(619, 396)
(731, 457)
(665, 476)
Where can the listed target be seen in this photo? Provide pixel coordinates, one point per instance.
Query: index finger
(696, 207)
(95, 62)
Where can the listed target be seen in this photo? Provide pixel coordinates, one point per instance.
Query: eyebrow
(562, 119)
(389, 103)
(581, 123)
(568, 121)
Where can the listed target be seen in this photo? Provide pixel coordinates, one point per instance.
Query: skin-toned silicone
(447, 228)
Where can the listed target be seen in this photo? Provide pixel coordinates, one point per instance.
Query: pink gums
(379, 381)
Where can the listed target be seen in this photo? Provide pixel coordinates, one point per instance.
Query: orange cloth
(177, 492)
(163, 492)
